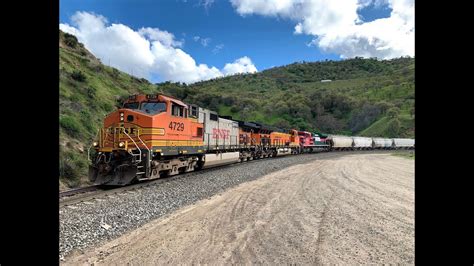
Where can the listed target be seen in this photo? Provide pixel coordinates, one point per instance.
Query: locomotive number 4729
(176, 126)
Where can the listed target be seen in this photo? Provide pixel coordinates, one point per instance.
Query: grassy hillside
(361, 92)
(88, 91)
(365, 97)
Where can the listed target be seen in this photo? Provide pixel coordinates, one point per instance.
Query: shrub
(115, 72)
(107, 106)
(91, 92)
(78, 76)
(364, 117)
(393, 129)
(72, 167)
(67, 169)
(134, 79)
(87, 121)
(71, 125)
(393, 112)
(70, 40)
(234, 109)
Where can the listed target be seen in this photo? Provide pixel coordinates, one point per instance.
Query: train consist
(153, 136)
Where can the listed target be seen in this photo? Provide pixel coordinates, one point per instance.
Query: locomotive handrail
(138, 148)
(138, 136)
(149, 152)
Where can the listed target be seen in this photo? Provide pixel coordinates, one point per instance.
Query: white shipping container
(342, 142)
(219, 133)
(404, 142)
(362, 142)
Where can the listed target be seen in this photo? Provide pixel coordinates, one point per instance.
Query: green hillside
(365, 97)
(361, 92)
(88, 91)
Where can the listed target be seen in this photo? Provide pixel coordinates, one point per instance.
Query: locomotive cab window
(130, 106)
(153, 107)
(193, 111)
(177, 110)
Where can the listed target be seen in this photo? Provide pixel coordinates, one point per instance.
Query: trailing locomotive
(157, 135)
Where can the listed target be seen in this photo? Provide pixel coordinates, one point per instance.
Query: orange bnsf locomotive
(153, 136)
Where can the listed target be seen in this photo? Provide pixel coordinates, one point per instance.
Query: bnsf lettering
(220, 133)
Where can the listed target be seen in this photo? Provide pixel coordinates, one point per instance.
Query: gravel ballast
(85, 224)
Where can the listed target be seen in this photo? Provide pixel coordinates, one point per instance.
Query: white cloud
(374, 3)
(146, 52)
(163, 37)
(217, 48)
(338, 28)
(204, 41)
(68, 29)
(206, 3)
(241, 65)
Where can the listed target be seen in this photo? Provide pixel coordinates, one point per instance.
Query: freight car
(341, 142)
(362, 143)
(156, 135)
(404, 143)
(380, 143)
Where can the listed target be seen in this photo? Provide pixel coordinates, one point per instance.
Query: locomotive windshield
(153, 107)
(131, 106)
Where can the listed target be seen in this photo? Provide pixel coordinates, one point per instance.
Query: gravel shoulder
(350, 209)
(95, 221)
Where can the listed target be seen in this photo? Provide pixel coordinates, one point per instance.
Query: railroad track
(72, 192)
(74, 196)
(89, 193)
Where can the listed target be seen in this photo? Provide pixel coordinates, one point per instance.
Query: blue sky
(267, 38)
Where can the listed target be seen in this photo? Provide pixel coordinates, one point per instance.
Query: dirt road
(354, 209)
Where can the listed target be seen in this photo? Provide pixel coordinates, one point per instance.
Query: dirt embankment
(354, 209)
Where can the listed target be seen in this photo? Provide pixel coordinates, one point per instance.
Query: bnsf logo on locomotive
(220, 133)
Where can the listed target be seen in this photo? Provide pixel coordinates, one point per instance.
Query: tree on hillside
(329, 123)
(384, 106)
(364, 117)
(70, 40)
(393, 112)
(393, 128)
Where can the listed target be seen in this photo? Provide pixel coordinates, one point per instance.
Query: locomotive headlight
(122, 144)
(95, 144)
(121, 116)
